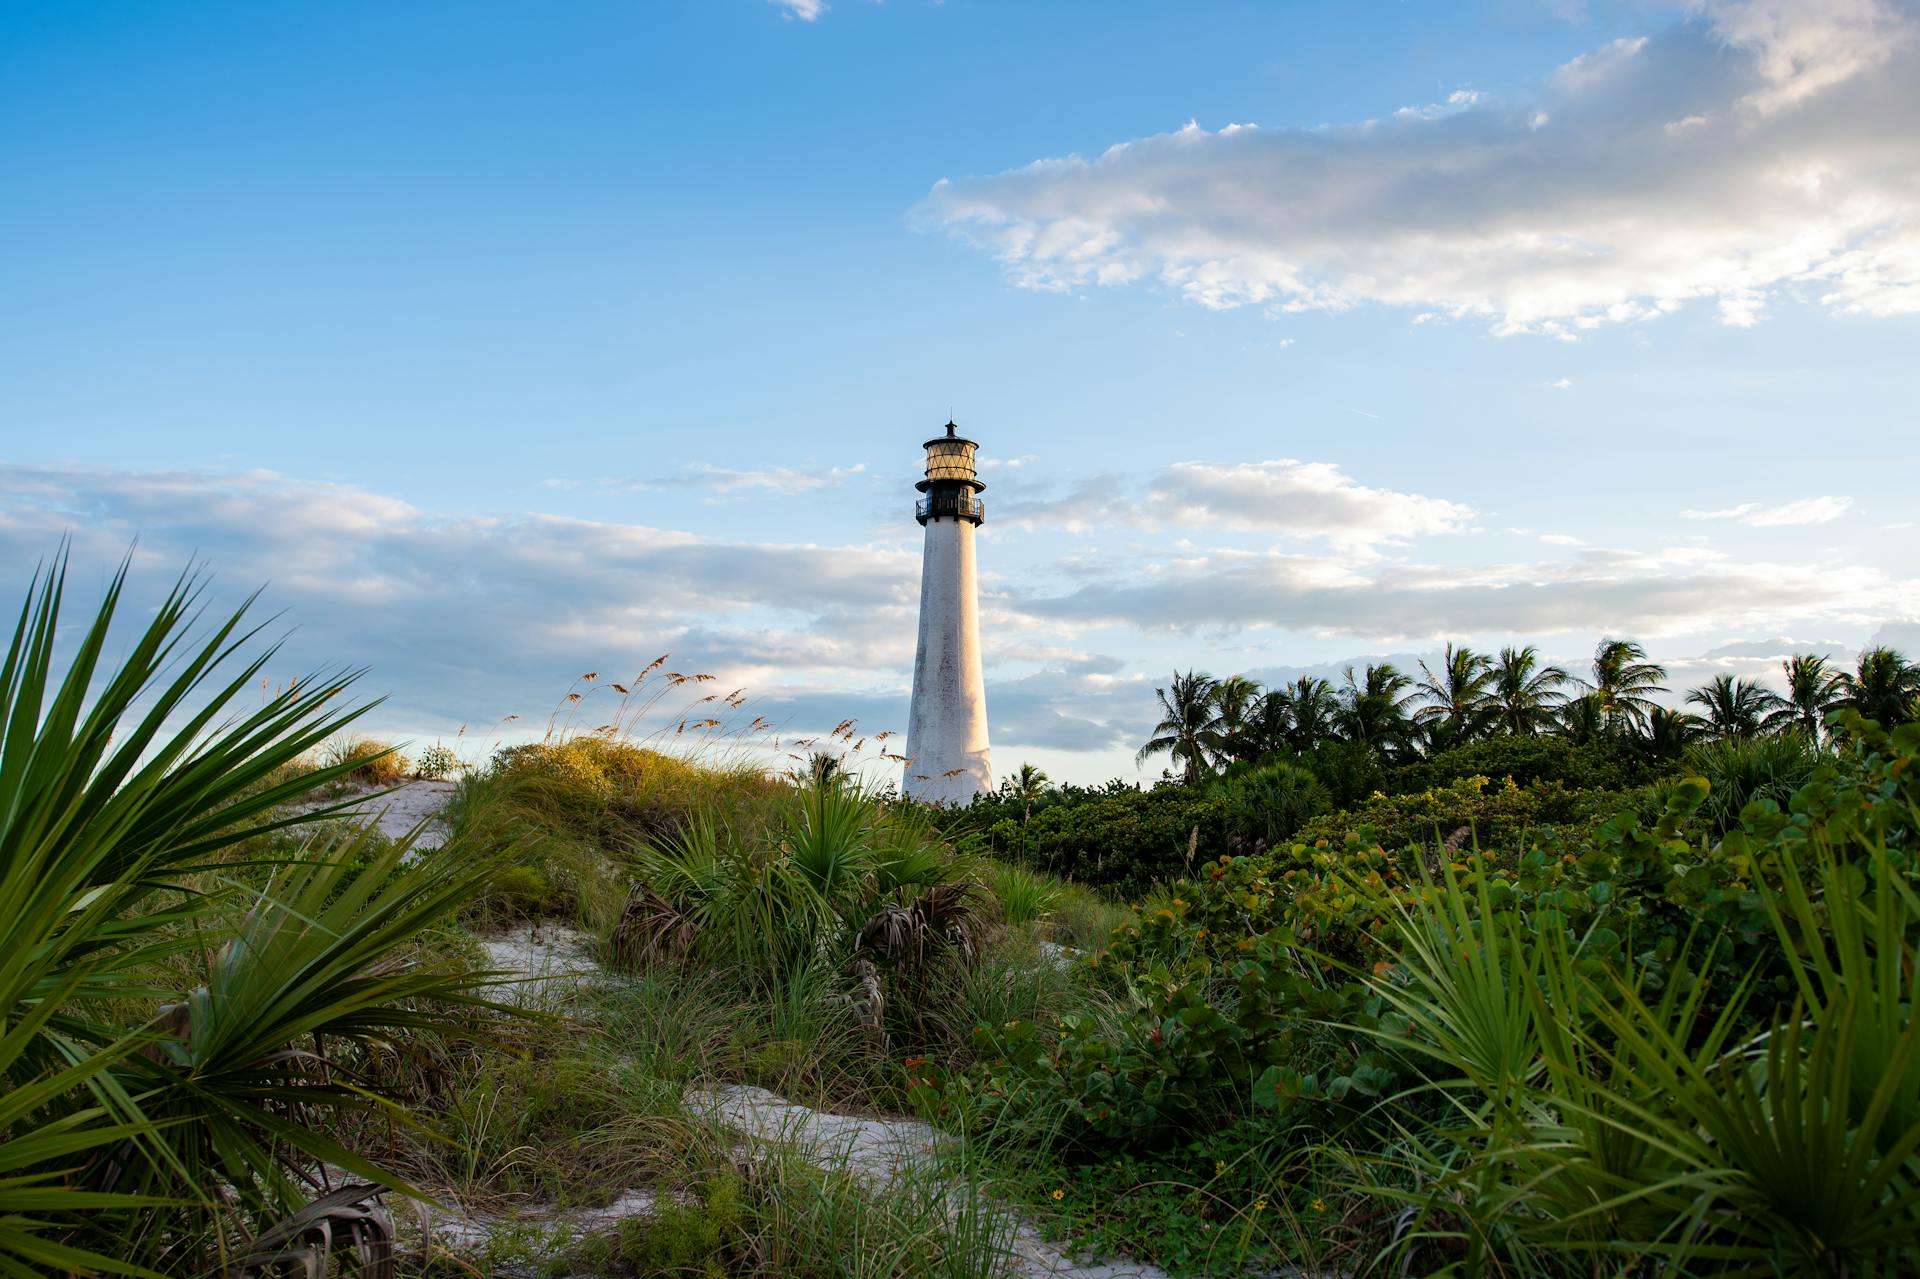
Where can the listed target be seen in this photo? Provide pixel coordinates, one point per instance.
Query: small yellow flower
(1059, 1194)
(1219, 1166)
(1260, 1205)
(1319, 1205)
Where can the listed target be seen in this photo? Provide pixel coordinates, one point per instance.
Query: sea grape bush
(1123, 839)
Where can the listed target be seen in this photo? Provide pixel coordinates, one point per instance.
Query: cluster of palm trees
(1208, 723)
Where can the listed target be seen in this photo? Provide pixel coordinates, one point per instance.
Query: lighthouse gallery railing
(959, 505)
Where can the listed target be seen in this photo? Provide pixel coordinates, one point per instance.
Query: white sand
(396, 812)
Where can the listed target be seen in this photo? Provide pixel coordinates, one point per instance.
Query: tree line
(1207, 724)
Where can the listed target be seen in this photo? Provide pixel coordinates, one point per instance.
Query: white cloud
(1302, 499)
(1561, 383)
(1668, 591)
(1308, 498)
(1808, 510)
(805, 10)
(1763, 146)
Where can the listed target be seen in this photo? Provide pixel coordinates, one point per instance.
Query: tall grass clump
(1021, 896)
(191, 994)
(367, 761)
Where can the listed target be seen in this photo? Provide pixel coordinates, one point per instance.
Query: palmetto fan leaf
(45, 1140)
(319, 965)
(116, 784)
(113, 783)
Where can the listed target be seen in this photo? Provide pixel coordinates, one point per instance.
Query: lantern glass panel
(950, 460)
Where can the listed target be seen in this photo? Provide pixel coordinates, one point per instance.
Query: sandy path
(553, 961)
(396, 812)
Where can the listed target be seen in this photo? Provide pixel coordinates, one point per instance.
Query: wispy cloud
(465, 618)
(1808, 510)
(1666, 591)
(1760, 147)
(779, 479)
(805, 10)
(1312, 500)
(773, 479)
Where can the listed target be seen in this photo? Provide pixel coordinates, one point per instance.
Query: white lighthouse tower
(947, 727)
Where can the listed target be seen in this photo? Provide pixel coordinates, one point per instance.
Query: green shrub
(1740, 771)
(436, 763)
(1599, 765)
(1084, 918)
(1271, 802)
(1122, 839)
(180, 982)
(523, 892)
(1469, 811)
(698, 1238)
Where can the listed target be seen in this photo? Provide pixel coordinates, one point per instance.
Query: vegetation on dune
(1481, 970)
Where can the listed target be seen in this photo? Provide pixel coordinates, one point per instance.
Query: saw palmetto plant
(187, 985)
(840, 876)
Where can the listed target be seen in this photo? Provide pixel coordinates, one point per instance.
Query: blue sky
(509, 341)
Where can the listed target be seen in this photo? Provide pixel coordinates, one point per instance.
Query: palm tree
(1669, 732)
(1027, 785)
(1234, 702)
(1812, 691)
(1525, 693)
(1456, 699)
(1189, 727)
(1312, 712)
(1582, 719)
(1884, 687)
(1735, 708)
(1272, 722)
(1624, 680)
(1373, 711)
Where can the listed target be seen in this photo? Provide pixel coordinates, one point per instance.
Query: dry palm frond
(651, 931)
(939, 919)
(350, 1218)
(894, 933)
(869, 1001)
(948, 912)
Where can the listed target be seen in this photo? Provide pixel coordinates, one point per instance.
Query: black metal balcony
(961, 506)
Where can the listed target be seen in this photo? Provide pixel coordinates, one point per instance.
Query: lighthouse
(947, 726)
